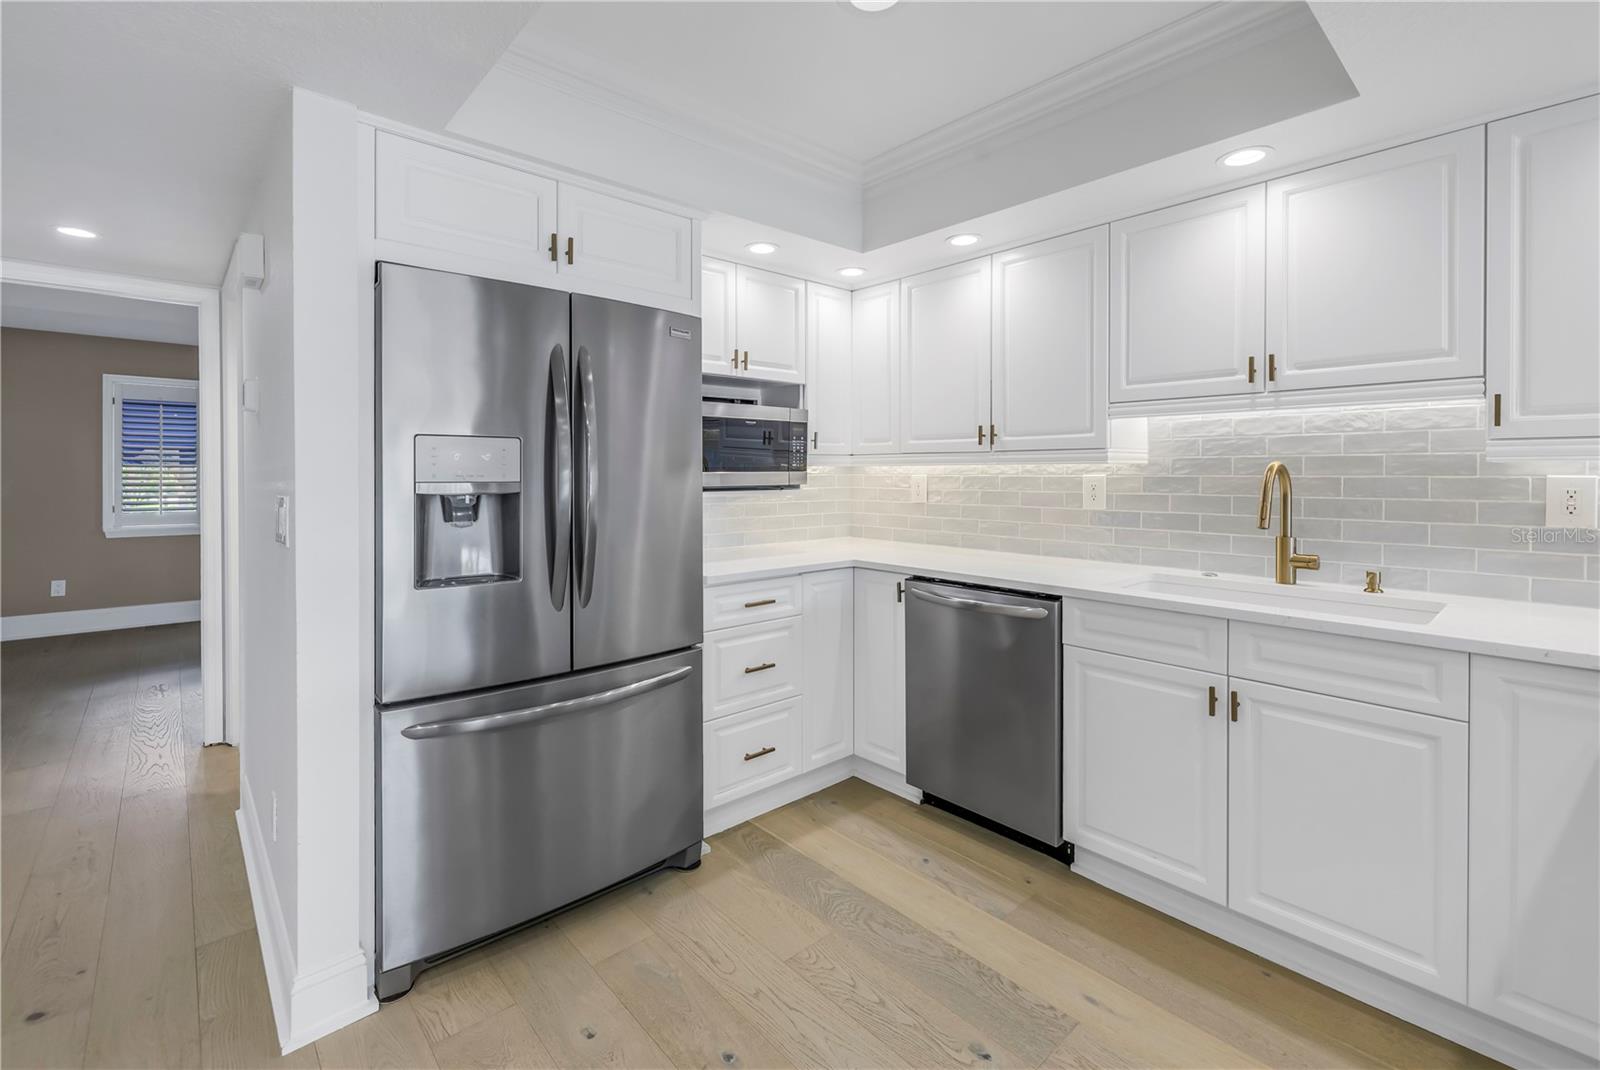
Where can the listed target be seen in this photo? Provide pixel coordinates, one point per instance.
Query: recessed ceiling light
(852, 272)
(959, 240)
(76, 232)
(1245, 157)
(873, 5)
(761, 248)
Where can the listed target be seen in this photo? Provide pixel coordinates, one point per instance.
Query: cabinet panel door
(1347, 827)
(1535, 820)
(944, 377)
(719, 304)
(1186, 299)
(771, 325)
(1375, 268)
(828, 369)
(875, 370)
(750, 751)
(1544, 270)
(880, 670)
(626, 245)
(1049, 346)
(828, 731)
(1146, 770)
(438, 199)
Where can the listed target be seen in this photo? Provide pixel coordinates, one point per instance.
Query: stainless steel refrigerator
(539, 605)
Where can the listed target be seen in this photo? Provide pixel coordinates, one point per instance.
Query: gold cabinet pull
(735, 360)
(1272, 368)
(760, 602)
(980, 434)
(994, 436)
(569, 250)
(1233, 705)
(552, 247)
(1251, 369)
(762, 753)
(1497, 410)
(763, 667)
(747, 360)
(814, 435)
(1211, 707)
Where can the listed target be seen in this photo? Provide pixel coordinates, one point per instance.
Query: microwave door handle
(589, 468)
(998, 609)
(493, 722)
(559, 487)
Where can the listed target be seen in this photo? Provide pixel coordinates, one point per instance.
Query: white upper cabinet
(1543, 346)
(875, 370)
(1347, 827)
(1049, 344)
(1535, 891)
(719, 304)
(1186, 299)
(606, 240)
(481, 216)
(944, 377)
(828, 369)
(771, 325)
(1375, 268)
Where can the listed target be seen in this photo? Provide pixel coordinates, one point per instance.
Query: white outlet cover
(1094, 492)
(58, 588)
(919, 488)
(1569, 501)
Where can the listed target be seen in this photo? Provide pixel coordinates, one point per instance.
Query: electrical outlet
(919, 488)
(1569, 501)
(1094, 492)
(281, 529)
(58, 588)
(274, 817)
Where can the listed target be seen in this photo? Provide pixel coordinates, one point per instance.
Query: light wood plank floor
(851, 929)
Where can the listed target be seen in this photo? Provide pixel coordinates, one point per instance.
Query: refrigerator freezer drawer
(503, 806)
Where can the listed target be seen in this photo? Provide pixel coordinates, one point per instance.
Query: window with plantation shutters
(152, 454)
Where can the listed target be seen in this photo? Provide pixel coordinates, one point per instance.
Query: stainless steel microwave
(748, 447)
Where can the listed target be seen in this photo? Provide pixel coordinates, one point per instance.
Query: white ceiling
(146, 122)
(41, 308)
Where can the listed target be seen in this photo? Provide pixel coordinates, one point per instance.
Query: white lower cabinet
(828, 624)
(1348, 828)
(752, 664)
(751, 750)
(1146, 770)
(880, 669)
(1535, 884)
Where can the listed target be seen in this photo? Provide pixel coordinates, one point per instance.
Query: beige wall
(50, 478)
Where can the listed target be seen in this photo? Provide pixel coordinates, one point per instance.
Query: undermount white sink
(1290, 599)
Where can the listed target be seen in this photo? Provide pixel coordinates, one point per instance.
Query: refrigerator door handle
(997, 608)
(559, 486)
(589, 461)
(493, 722)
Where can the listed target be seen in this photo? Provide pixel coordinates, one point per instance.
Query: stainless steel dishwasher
(983, 703)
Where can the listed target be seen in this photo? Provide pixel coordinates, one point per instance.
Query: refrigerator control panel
(468, 459)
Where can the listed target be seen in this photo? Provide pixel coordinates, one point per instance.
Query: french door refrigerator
(539, 605)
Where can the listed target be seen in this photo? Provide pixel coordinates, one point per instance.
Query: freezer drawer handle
(762, 753)
(999, 609)
(763, 667)
(493, 722)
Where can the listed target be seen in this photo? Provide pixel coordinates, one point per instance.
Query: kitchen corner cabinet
(1049, 344)
(1375, 268)
(1542, 370)
(880, 668)
(1535, 879)
(828, 312)
(770, 324)
(944, 375)
(875, 370)
(718, 314)
(828, 622)
(1146, 767)
(1348, 829)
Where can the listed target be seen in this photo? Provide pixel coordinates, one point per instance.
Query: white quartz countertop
(1530, 631)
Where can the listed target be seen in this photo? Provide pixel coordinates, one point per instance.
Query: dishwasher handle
(999, 609)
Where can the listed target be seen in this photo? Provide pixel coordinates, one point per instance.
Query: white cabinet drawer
(751, 666)
(1152, 634)
(752, 601)
(1366, 670)
(751, 750)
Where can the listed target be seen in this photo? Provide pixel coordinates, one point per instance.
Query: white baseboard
(1449, 1019)
(887, 779)
(721, 818)
(72, 622)
(304, 1008)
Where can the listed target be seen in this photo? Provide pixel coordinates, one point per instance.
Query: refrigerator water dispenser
(468, 506)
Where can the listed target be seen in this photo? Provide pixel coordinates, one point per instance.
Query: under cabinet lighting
(961, 240)
(761, 248)
(1245, 157)
(852, 272)
(873, 5)
(76, 232)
